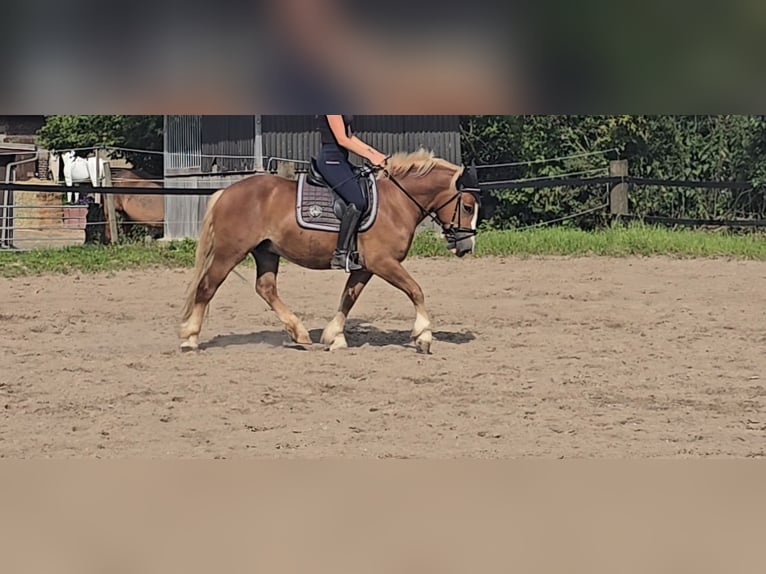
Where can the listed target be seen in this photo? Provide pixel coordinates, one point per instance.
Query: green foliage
(697, 148)
(137, 132)
(613, 241)
(97, 258)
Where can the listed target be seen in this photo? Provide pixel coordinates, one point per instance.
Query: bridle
(453, 231)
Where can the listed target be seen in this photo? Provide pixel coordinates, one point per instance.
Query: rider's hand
(377, 159)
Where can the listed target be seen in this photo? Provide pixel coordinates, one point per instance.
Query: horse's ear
(474, 173)
(469, 179)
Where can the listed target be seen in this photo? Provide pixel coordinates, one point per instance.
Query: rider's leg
(348, 227)
(336, 169)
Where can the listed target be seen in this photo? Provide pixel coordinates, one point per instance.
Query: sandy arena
(544, 357)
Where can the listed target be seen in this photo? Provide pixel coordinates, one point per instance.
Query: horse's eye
(468, 208)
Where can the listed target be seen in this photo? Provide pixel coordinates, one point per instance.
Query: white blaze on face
(474, 219)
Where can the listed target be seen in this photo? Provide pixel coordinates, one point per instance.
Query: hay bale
(39, 218)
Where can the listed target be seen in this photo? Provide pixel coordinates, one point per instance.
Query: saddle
(320, 207)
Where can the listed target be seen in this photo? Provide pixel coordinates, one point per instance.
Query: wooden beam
(111, 215)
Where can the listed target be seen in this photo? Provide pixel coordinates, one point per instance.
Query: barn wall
(183, 145)
(206, 144)
(228, 143)
(296, 137)
(184, 213)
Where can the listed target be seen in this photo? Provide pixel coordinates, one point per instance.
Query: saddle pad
(315, 206)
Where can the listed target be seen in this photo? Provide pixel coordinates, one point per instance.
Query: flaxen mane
(421, 162)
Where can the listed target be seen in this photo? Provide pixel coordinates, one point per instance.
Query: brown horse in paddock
(136, 209)
(270, 217)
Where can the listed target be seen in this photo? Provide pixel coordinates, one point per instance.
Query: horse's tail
(204, 256)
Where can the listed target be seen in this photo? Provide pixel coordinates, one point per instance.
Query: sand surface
(544, 357)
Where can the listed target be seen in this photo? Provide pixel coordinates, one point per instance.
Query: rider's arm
(353, 143)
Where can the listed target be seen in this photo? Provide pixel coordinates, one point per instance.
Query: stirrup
(342, 260)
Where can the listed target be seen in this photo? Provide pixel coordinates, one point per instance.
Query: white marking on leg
(421, 333)
(422, 323)
(193, 325)
(334, 331)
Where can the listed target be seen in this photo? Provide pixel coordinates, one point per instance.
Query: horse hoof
(423, 345)
(190, 344)
(187, 347)
(338, 343)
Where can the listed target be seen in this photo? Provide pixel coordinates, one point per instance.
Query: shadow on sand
(358, 334)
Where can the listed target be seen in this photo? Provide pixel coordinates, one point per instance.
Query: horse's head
(460, 215)
(446, 192)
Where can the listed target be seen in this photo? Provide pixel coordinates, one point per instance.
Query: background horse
(137, 209)
(257, 216)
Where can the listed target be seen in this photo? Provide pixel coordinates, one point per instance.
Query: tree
(135, 132)
(692, 147)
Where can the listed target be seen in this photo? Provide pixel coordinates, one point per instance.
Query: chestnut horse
(258, 216)
(147, 210)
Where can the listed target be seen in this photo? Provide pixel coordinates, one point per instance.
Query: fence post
(98, 197)
(618, 195)
(258, 147)
(109, 202)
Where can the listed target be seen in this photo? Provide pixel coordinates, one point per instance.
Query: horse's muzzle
(462, 247)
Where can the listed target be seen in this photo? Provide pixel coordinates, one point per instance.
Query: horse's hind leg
(333, 336)
(208, 285)
(267, 267)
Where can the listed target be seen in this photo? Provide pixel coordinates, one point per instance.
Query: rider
(334, 165)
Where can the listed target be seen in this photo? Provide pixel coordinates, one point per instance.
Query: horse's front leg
(393, 273)
(333, 336)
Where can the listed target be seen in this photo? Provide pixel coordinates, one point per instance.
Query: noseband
(454, 231)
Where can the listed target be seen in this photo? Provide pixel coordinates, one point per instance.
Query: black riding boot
(341, 258)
